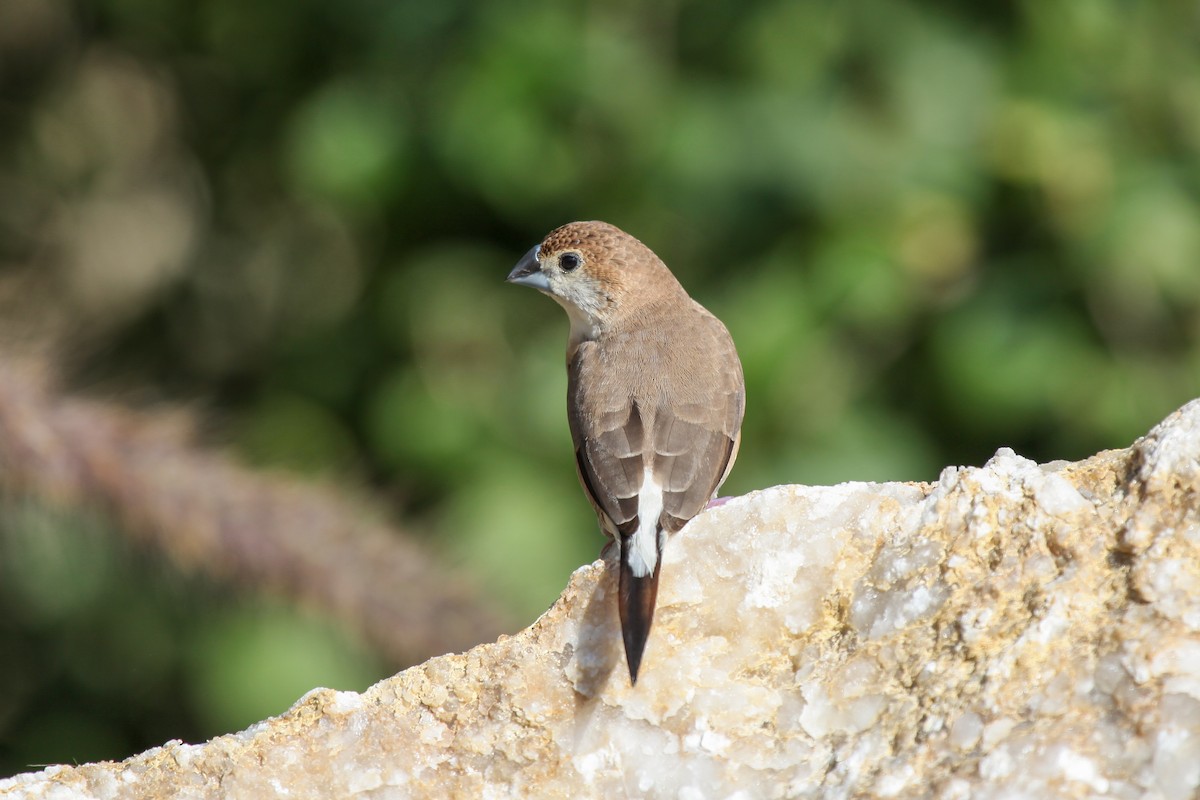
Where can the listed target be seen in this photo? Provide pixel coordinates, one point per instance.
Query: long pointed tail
(636, 599)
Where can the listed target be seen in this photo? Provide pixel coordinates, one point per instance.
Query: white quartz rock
(1013, 630)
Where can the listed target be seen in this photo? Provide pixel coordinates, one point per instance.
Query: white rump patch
(642, 548)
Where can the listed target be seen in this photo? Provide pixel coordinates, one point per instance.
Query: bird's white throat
(583, 324)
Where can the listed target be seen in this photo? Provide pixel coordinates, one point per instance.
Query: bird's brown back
(663, 391)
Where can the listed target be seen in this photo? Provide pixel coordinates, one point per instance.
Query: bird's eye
(569, 261)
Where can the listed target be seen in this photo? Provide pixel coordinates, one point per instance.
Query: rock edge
(1012, 628)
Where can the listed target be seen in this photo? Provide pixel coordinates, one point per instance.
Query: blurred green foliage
(933, 229)
(105, 653)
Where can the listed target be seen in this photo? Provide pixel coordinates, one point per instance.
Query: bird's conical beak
(528, 272)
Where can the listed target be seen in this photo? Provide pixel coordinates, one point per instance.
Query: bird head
(595, 271)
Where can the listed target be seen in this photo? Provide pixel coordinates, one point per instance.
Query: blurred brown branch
(207, 513)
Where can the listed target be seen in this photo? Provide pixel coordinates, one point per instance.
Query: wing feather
(679, 420)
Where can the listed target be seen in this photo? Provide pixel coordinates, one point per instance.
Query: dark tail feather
(636, 600)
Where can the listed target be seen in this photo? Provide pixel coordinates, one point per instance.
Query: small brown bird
(654, 398)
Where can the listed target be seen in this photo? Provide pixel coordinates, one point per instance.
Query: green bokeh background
(933, 230)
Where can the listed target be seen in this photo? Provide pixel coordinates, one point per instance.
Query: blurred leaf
(524, 529)
(1011, 368)
(855, 280)
(290, 431)
(256, 663)
(54, 565)
(408, 425)
(348, 143)
(69, 737)
(256, 43)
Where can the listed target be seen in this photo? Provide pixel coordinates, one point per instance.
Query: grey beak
(528, 272)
